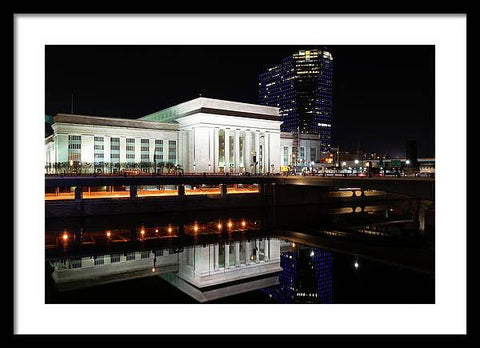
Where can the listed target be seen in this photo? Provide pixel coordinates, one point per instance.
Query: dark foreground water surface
(376, 253)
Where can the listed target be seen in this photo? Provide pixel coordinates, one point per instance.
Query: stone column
(151, 149)
(106, 149)
(215, 164)
(191, 149)
(87, 144)
(211, 152)
(216, 252)
(257, 150)
(227, 151)
(267, 249)
(236, 148)
(247, 253)
(123, 150)
(227, 256)
(237, 254)
(257, 251)
(247, 155)
(137, 150)
(266, 152)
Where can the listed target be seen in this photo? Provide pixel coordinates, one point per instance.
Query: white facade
(192, 270)
(201, 135)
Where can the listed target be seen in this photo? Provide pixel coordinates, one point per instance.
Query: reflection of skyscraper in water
(306, 277)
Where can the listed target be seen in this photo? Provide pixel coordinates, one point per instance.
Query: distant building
(301, 86)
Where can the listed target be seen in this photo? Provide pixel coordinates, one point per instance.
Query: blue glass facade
(302, 86)
(306, 277)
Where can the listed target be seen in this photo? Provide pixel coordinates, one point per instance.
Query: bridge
(416, 187)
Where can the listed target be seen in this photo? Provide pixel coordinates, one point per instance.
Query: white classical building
(200, 135)
(204, 272)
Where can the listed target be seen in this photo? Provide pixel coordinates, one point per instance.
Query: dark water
(340, 255)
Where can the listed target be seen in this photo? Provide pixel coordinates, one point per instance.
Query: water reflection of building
(81, 272)
(214, 264)
(306, 276)
(205, 272)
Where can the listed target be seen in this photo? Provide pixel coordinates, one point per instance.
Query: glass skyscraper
(301, 86)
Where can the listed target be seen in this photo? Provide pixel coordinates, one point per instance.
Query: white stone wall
(87, 148)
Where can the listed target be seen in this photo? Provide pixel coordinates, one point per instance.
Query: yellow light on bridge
(229, 224)
(109, 234)
(153, 269)
(219, 226)
(65, 236)
(142, 232)
(195, 228)
(169, 230)
(243, 223)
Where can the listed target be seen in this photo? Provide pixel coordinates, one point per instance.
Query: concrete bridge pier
(78, 193)
(181, 190)
(223, 190)
(133, 191)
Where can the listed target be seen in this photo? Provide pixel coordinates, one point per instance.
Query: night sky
(383, 95)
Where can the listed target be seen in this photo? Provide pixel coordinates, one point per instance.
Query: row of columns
(248, 254)
(198, 164)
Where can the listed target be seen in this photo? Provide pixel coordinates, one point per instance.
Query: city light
(356, 161)
(219, 226)
(195, 228)
(109, 234)
(65, 237)
(229, 224)
(169, 230)
(243, 223)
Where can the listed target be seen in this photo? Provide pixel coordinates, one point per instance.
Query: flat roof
(113, 122)
(214, 106)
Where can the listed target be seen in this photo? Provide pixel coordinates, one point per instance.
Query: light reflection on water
(229, 259)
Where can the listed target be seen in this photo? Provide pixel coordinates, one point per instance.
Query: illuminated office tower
(306, 277)
(301, 86)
